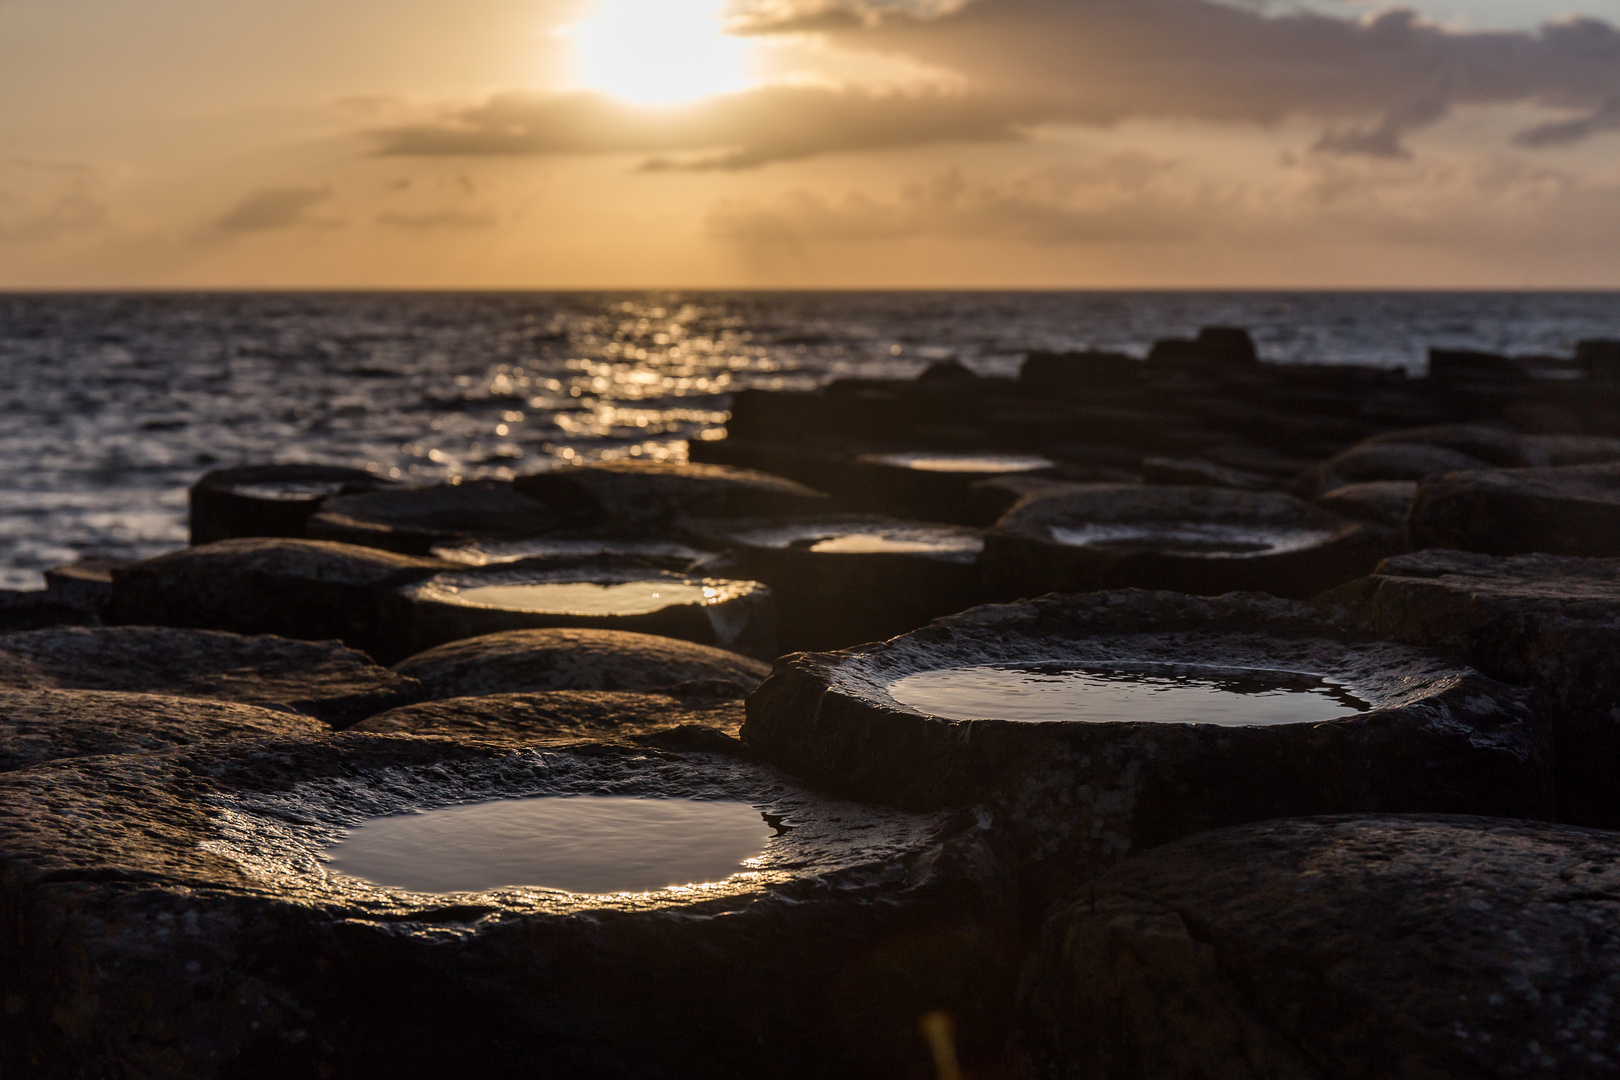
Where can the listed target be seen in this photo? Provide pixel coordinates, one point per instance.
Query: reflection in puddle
(580, 844)
(506, 551)
(586, 597)
(1192, 538)
(1125, 692)
(841, 538)
(289, 490)
(967, 463)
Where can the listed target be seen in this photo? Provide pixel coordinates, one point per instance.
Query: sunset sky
(786, 143)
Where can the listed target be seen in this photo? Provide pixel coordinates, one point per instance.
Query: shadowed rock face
(269, 500)
(604, 594)
(520, 661)
(309, 589)
(413, 520)
(1387, 461)
(168, 915)
(1385, 502)
(1198, 540)
(1358, 947)
(44, 725)
(654, 494)
(1573, 510)
(557, 716)
(322, 679)
(929, 485)
(1549, 621)
(844, 579)
(1079, 795)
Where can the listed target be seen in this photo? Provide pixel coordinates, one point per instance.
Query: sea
(111, 405)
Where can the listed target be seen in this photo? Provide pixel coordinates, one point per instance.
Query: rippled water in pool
(1153, 693)
(1192, 538)
(587, 597)
(970, 463)
(579, 844)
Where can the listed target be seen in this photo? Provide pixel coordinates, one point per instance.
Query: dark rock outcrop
(653, 495)
(39, 725)
(557, 716)
(1361, 948)
(322, 679)
(1079, 795)
(522, 661)
(1573, 510)
(1544, 620)
(413, 520)
(269, 500)
(169, 916)
(309, 589)
(1191, 539)
(729, 613)
(84, 585)
(842, 580)
(1385, 502)
(1387, 461)
(928, 485)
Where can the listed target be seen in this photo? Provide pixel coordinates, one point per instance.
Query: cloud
(1128, 197)
(1027, 63)
(45, 200)
(439, 219)
(277, 208)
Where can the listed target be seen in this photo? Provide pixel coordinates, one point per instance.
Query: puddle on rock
(580, 844)
(585, 597)
(1192, 538)
(1125, 692)
(856, 539)
(492, 553)
(289, 490)
(965, 463)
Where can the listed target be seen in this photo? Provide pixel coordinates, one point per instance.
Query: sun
(658, 52)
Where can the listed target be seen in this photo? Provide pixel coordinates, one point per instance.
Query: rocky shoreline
(843, 615)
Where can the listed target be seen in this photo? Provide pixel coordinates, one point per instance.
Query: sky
(809, 144)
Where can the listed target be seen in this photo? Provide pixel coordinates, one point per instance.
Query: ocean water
(111, 405)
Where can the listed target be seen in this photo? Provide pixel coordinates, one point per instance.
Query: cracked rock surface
(170, 915)
(520, 661)
(1358, 948)
(557, 716)
(45, 725)
(1551, 621)
(1078, 796)
(321, 678)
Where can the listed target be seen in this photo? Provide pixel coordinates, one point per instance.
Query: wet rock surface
(322, 679)
(1355, 947)
(38, 725)
(522, 661)
(269, 500)
(931, 485)
(604, 594)
(309, 589)
(654, 495)
(558, 716)
(843, 579)
(568, 544)
(169, 915)
(1544, 620)
(1199, 540)
(414, 520)
(1079, 796)
(1573, 510)
(1388, 461)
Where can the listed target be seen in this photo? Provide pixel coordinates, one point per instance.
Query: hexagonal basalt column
(1103, 724)
(843, 579)
(603, 594)
(338, 908)
(1199, 540)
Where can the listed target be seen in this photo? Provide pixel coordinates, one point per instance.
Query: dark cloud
(1026, 63)
(277, 208)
